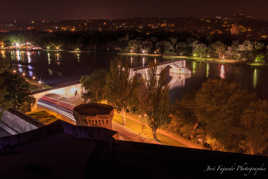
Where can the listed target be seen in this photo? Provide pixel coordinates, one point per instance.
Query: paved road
(181, 140)
(128, 135)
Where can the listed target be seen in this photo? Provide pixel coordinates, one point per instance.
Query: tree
(220, 106)
(94, 86)
(119, 86)
(259, 46)
(255, 123)
(156, 102)
(219, 48)
(14, 92)
(259, 59)
(199, 49)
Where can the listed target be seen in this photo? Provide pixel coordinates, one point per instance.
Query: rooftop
(93, 109)
(62, 150)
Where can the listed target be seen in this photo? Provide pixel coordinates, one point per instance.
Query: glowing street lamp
(57, 47)
(14, 71)
(34, 78)
(23, 74)
(40, 82)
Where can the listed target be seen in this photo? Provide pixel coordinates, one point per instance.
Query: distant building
(234, 29)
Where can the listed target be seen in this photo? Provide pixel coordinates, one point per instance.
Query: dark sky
(75, 9)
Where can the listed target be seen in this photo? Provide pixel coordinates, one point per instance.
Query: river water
(54, 68)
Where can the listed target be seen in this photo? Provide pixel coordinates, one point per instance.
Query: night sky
(76, 9)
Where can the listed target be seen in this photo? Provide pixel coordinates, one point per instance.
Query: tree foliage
(255, 122)
(156, 102)
(220, 106)
(14, 91)
(94, 86)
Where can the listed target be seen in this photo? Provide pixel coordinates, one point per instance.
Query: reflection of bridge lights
(48, 58)
(194, 67)
(3, 53)
(207, 70)
(143, 61)
(29, 57)
(18, 55)
(50, 72)
(131, 61)
(30, 73)
(57, 56)
(30, 67)
(155, 60)
(77, 56)
(255, 78)
(222, 72)
(20, 70)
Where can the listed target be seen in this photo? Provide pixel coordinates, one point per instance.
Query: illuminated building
(94, 115)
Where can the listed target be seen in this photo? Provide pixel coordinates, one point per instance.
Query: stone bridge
(177, 70)
(66, 90)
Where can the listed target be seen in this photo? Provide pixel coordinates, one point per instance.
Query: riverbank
(257, 64)
(140, 54)
(205, 59)
(201, 59)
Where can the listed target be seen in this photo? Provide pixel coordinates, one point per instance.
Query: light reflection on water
(255, 78)
(222, 72)
(59, 67)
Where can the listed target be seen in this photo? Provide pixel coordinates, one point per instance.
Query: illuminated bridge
(177, 70)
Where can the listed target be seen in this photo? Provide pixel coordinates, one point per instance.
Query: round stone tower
(94, 115)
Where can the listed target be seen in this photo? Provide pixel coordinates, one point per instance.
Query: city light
(33, 77)
(14, 71)
(3, 54)
(77, 49)
(23, 74)
(40, 82)
(57, 47)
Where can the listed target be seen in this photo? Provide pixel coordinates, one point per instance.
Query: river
(54, 68)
